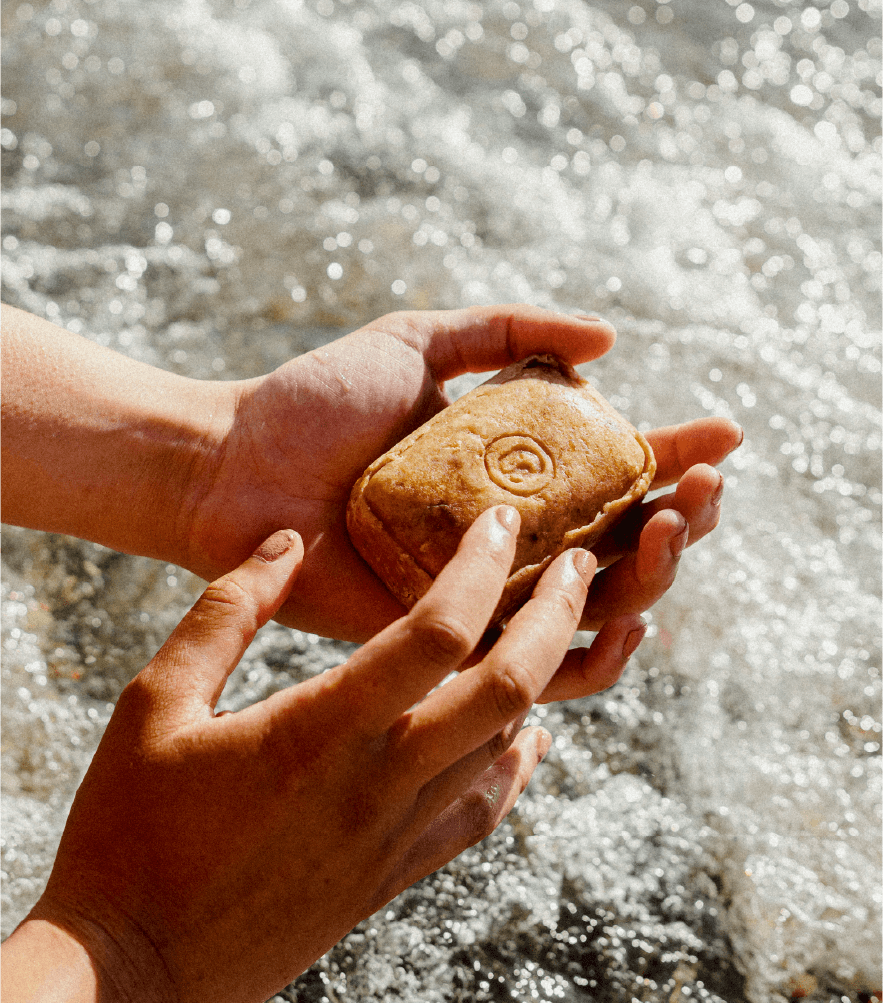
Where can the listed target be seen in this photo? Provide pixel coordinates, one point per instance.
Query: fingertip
(633, 639)
(599, 326)
(508, 517)
(497, 526)
(668, 524)
(270, 572)
(585, 671)
(680, 538)
(722, 437)
(718, 493)
(282, 542)
(661, 543)
(585, 563)
(543, 740)
(595, 337)
(726, 428)
(740, 431)
(574, 565)
(677, 448)
(617, 641)
(534, 738)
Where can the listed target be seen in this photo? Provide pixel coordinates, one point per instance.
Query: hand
(302, 435)
(640, 555)
(216, 856)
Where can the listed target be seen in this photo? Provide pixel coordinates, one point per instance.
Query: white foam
(179, 173)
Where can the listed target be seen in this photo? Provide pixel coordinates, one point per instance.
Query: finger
(697, 497)
(478, 339)
(398, 667)
(634, 583)
(473, 815)
(679, 447)
(590, 670)
(451, 783)
(189, 671)
(469, 710)
(327, 609)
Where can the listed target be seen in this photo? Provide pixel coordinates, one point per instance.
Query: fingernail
(507, 516)
(503, 526)
(741, 437)
(678, 542)
(590, 319)
(278, 544)
(718, 491)
(575, 566)
(544, 743)
(585, 566)
(632, 640)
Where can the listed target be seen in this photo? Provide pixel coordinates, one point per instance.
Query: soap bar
(536, 436)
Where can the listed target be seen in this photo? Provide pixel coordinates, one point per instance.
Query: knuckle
(499, 744)
(401, 325)
(138, 700)
(569, 602)
(227, 600)
(512, 689)
(480, 813)
(442, 640)
(227, 592)
(391, 319)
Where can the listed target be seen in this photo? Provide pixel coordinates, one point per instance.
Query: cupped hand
(301, 436)
(216, 856)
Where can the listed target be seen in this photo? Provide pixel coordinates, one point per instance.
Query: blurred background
(213, 186)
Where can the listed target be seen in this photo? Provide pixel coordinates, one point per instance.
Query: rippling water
(213, 186)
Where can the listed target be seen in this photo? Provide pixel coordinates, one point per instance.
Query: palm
(303, 434)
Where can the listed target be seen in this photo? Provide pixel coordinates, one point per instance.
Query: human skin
(216, 856)
(197, 473)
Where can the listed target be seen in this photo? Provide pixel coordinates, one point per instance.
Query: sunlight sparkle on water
(285, 172)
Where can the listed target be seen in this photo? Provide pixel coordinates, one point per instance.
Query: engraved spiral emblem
(519, 464)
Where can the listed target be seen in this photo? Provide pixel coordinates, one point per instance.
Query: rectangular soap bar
(536, 436)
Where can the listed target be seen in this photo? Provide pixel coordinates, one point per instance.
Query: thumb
(477, 339)
(188, 673)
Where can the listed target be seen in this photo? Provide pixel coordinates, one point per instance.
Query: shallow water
(215, 186)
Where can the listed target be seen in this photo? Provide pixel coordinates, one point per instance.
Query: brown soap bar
(536, 436)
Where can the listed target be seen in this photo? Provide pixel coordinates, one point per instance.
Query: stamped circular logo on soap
(519, 464)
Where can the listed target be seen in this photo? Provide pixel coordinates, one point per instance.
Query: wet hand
(213, 856)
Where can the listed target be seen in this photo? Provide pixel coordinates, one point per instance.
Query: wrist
(212, 489)
(42, 962)
(238, 491)
(181, 449)
(62, 956)
(101, 446)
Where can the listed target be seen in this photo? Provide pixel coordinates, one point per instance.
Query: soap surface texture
(536, 436)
